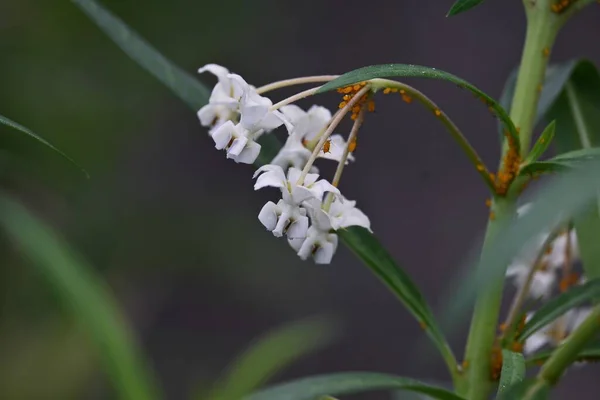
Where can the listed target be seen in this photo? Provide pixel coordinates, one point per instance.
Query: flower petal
(268, 215)
(238, 145)
(298, 228)
(249, 154)
(223, 134)
(272, 175)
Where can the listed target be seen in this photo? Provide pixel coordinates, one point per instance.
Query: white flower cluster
(561, 252)
(237, 115)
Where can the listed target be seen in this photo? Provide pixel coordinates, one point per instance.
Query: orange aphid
(371, 106)
(546, 51)
(568, 281)
(326, 146)
(407, 98)
(488, 202)
(387, 90)
(492, 216)
(352, 145)
(437, 112)
(423, 325)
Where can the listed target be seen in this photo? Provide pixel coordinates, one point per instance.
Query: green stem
(478, 354)
(566, 354)
(542, 27)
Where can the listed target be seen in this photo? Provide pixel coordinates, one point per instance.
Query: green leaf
(574, 297)
(184, 85)
(462, 6)
(195, 95)
(366, 246)
(590, 353)
(87, 297)
(408, 70)
(578, 127)
(347, 383)
(192, 92)
(530, 387)
(513, 370)
(562, 162)
(270, 354)
(28, 132)
(541, 145)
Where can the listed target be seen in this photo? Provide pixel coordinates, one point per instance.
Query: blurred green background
(171, 225)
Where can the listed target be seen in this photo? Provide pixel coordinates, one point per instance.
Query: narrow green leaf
(530, 389)
(562, 162)
(87, 297)
(408, 70)
(28, 132)
(184, 85)
(366, 246)
(574, 297)
(347, 383)
(590, 353)
(506, 98)
(541, 145)
(513, 370)
(270, 354)
(462, 6)
(578, 127)
(195, 95)
(192, 92)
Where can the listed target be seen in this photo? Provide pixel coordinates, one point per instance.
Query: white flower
(283, 218)
(237, 141)
(337, 145)
(320, 244)
(343, 213)
(307, 124)
(223, 104)
(555, 332)
(558, 252)
(293, 154)
(542, 283)
(291, 192)
(254, 108)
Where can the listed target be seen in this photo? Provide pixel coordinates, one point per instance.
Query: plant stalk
(542, 27)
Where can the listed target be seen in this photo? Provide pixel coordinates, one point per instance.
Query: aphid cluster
(349, 92)
(561, 6)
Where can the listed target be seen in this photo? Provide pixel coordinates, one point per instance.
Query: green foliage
(347, 383)
(28, 132)
(513, 370)
(417, 71)
(188, 89)
(531, 388)
(373, 254)
(462, 6)
(270, 354)
(574, 297)
(562, 162)
(576, 111)
(590, 353)
(542, 144)
(87, 297)
(360, 241)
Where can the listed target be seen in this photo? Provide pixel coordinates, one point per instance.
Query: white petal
(324, 253)
(306, 249)
(249, 154)
(237, 146)
(298, 228)
(296, 243)
(223, 134)
(215, 69)
(321, 187)
(272, 175)
(535, 342)
(268, 215)
(207, 114)
(300, 194)
(293, 174)
(293, 113)
(355, 217)
(542, 284)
